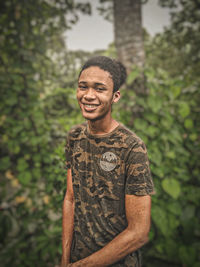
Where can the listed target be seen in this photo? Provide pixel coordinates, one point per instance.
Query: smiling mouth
(89, 107)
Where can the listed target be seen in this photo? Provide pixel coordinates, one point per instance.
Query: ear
(116, 97)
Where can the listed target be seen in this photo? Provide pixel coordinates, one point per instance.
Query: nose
(90, 94)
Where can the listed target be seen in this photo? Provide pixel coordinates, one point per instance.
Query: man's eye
(82, 87)
(100, 89)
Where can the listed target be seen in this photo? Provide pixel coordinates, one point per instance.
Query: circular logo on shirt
(108, 161)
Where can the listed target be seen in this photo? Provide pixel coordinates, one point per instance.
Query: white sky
(94, 32)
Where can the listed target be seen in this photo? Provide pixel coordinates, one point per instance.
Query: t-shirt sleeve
(138, 176)
(68, 153)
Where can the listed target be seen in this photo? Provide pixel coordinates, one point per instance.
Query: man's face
(95, 93)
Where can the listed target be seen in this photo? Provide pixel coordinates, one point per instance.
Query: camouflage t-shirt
(104, 169)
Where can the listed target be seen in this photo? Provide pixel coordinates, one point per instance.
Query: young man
(106, 210)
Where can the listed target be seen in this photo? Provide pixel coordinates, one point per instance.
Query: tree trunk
(129, 45)
(128, 33)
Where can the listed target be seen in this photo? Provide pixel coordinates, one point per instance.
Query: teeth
(89, 106)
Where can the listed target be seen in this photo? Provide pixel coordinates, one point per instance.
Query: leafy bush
(170, 128)
(32, 157)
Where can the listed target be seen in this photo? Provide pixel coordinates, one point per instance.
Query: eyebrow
(96, 84)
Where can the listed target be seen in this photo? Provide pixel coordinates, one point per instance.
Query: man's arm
(67, 221)
(138, 212)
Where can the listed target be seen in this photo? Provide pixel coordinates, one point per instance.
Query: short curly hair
(114, 67)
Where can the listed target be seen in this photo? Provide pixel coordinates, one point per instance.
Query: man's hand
(133, 237)
(67, 221)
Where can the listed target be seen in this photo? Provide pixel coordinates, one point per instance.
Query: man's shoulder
(129, 136)
(77, 130)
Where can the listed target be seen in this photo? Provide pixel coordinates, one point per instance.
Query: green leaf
(11, 101)
(187, 255)
(175, 208)
(140, 124)
(152, 131)
(158, 171)
(188, 123)
(155, 103)
(151, 234)
(16, 149)
(193, 194)
(5, 163)
(132, 76)
(172, 187)
(155, 156)
(171, 154)
(152, 118)
(188, 212)
(167, 121)
(159, 217)
(173, 221)
(36, 173)
(176, 135)
(176, 91)
(193, 137)
(160, 248)
(22, 165)
(184, 109)
(25, 177)
(171, 248)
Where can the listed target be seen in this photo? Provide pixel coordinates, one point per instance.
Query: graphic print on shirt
(108, 161)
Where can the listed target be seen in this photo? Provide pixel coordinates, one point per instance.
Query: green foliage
(177, 52)
(170, 128)
(33, 74)
(38, 107)
(177, 49)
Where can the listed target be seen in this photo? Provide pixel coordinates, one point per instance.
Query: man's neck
(102, 126)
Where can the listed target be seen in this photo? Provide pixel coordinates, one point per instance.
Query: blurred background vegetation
(160, 102)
